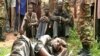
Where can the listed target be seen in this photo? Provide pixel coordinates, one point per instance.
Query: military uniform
(22, 47)
(85, 25)
(2, 18)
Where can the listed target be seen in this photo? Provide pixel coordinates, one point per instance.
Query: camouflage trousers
(85, 30)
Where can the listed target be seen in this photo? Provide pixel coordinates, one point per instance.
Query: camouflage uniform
(2, 17)
(85, 25)
(68, 8)
(22, 47)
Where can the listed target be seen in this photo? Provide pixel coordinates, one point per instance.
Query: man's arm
(63, 51)
(43, 52)
(66, 17)
(23, 24)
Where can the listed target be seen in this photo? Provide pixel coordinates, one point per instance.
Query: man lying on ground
(44, 47)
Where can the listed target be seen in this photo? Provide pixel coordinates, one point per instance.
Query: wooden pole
(95, 12)
(19, 16)
(75, 9)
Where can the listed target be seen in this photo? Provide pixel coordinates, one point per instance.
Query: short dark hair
(31, 3)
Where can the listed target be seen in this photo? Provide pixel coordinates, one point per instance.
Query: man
(24, 47)
(50, 47)
(21, 6)
(61, 26)
(85, 27)
(30, 22)
(2, 19)
(13, 5)
(45, 23)
(8, 13)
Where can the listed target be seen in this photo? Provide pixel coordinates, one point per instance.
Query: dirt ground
(10, 38)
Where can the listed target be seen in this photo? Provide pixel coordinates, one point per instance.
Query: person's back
(21, 47)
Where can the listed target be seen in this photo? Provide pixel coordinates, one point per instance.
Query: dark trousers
(30, 31)
(97, 29)
(18, 22)
(60, 30)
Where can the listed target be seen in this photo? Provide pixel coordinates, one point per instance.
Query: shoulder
(26, 14)
(18, 44)
(55, 11)
(65, 11)
(21, 42)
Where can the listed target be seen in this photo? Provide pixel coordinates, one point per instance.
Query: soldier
(85, 27)
(22, 47)
(61, 26)
(2, 19)
(8, 13)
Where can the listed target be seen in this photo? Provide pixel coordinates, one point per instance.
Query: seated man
(30, 22)
(45, 23)
(61, 27)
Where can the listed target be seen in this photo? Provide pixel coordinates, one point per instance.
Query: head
(30, 7)
(59, 6)
(46, 9)
(57, 43)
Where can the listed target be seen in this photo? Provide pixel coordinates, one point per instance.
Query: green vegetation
(74, 45)
(4, 51)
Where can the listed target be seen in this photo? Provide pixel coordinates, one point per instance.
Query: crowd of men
(45, 30)
(47, 27)
(20, 15)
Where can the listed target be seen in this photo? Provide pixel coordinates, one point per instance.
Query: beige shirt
(2, 9)
(32, 18)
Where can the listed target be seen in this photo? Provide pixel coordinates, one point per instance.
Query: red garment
(98, 9)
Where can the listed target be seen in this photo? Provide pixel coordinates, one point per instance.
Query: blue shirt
(23, 6)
